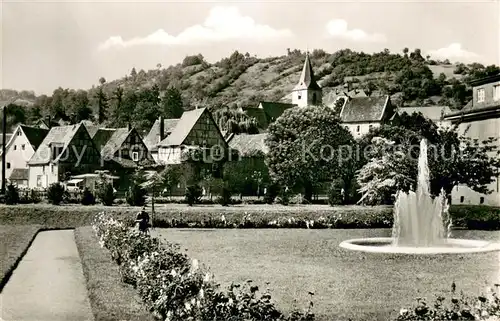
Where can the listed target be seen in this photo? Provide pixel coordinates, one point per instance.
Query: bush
(136, 195)
(11, 195)
(105, 194)
(176, 288)
(458, 307)
(335, 196)
(55, 193)
(87, 197)
(193, 194)
(34, 196)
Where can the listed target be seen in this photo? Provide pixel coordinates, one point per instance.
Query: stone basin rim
(458, 246)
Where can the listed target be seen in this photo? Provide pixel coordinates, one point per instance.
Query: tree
(133, 73)
(102, 102)
(453, 158)
(307, 146)
(172, 103)
(116, 111)
(405, 51)
(80, 109)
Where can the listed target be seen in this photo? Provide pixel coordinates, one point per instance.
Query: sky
(47, 44)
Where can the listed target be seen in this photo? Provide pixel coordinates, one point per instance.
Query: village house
(196, 128)
(122, 152)
(19, 149)
(480, 119)
(360, 114)
(434, 113)
(65, 151)
(158, 132)
(267, 112)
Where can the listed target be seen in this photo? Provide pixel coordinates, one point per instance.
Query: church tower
(307, 92)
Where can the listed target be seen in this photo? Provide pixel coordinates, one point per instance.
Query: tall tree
(102, 102)
(117, 105)
(172, 103)
(307, 146)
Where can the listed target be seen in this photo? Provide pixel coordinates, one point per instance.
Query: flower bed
(174, 287)
(458, 307)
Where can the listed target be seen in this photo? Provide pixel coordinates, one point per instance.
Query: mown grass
(110, 298)
(15, 241)
(346, 284)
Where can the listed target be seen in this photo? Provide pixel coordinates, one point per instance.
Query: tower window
(481, 200)
(299, 96)
(314, 99)
(358, 128)
(462, 199)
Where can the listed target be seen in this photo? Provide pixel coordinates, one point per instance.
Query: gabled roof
(267, 112)
(152, 138)
(114, 141)
(306, 80)
(183, 127)
(364, 109)
(57, 135)
(35, 135)
(245, 144)
(434, 113)
(19, 174)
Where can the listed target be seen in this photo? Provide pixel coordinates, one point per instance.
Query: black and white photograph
(258, 160)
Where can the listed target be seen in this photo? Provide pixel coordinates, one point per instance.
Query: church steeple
(307, 91)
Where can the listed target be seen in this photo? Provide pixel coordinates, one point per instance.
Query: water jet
(422, 224)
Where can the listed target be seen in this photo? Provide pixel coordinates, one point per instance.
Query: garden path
(48, 283)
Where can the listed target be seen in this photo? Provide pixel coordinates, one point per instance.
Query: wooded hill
(243, 80)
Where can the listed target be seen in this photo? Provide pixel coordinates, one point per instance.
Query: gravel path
(48, 284)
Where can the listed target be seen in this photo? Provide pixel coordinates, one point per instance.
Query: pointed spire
(307, 80)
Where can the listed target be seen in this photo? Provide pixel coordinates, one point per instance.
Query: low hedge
(176, 288)
(246, 216)
(110, 299)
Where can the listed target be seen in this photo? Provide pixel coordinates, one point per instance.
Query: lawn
(14, 242)
(346, 284)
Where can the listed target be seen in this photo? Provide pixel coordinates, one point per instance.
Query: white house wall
(48, 174)
(18, 153)
(358, 130)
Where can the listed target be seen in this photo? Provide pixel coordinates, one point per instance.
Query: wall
(306, 97)
(18, 157)
(488, 94)
(364, 128)
(49, 174)
(481, 129)
(169, 155)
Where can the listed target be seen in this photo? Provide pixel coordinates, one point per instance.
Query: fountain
(421, 224)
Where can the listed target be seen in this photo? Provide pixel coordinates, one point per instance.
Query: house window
(15, 147)
(52, 168)
(39, 180)
(135, 156)
(481, 200)
(8, 165)
(23, 147)
(462, 199)
(480, 95)
(370, 127)
(496, 92)
(358, 128)
(19, 133)
(299, 96)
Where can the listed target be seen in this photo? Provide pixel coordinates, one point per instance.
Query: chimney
(162, 128)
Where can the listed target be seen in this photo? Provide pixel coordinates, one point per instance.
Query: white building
(480, 119)
(19, 150)
(307, 92)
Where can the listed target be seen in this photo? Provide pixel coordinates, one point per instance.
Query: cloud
(338, 28)
(222, 23)
(454, 52)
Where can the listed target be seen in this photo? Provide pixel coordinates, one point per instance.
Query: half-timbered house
(65, 150)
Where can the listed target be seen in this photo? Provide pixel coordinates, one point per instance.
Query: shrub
(193, 194)
(55, 193)
(136, 195)
(176, 288)
(11, 195)
(335, 196)
(458, 307)
(87, 197)
(34, 196)
(105, 194)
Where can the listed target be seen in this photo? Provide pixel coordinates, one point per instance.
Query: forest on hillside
(242, 80)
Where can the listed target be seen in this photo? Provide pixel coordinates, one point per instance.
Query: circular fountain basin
(451, 246)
